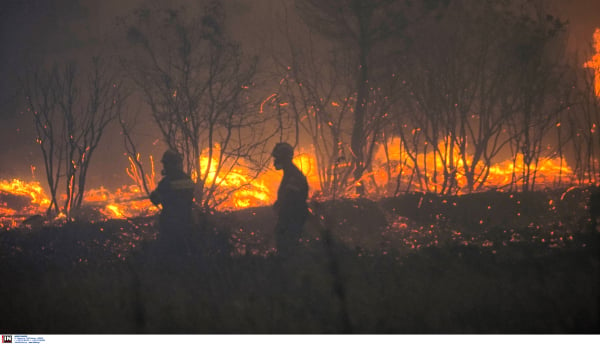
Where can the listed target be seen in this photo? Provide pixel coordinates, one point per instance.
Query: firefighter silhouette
(175, 193)
(290, 207)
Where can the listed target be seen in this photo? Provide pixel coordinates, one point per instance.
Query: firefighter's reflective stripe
(182, 184)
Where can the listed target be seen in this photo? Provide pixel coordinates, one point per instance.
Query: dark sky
(51, 28)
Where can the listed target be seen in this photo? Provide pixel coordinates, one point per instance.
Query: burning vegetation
(453, 165)
(391, 172)
(450, 112)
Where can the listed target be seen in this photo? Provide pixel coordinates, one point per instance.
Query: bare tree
(71, 110)
(146, 180)
(543, 89)
(316, 100)
(38, 88)
(329, 88)
(465, 91)
(357, 28)
(197, 84)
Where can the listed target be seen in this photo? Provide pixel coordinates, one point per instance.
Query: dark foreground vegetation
(483, 263)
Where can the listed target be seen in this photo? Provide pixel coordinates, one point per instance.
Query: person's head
(172, 161)
(283, 153)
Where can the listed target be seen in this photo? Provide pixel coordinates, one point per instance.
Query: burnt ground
(482, 263)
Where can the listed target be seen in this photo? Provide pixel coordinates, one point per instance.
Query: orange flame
(126, 202)
(500, 175)
(594, 62)
(245, 191)
(32, 190)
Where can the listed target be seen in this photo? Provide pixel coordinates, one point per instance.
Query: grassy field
(483, 263)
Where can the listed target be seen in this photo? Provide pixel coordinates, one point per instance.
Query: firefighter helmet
(283, 150)
(171, 157)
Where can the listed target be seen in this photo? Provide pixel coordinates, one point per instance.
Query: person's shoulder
(182, 181)
(182, 175)
(301, 174)
(298, 176)
(297, 171)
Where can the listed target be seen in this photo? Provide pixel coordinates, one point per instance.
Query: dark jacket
(175, 192)
(291, 196)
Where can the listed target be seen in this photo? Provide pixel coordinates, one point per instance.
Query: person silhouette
(175, 193)
(290, 207)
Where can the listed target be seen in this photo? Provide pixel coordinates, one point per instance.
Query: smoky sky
(34, 31)
(38, 30)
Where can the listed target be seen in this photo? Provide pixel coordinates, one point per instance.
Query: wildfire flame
(594, 62)
(31, 190)
(549, 171)
(20, 199)
(245, 191)
(127, 201)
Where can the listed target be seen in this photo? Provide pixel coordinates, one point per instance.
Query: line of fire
(429, 127)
